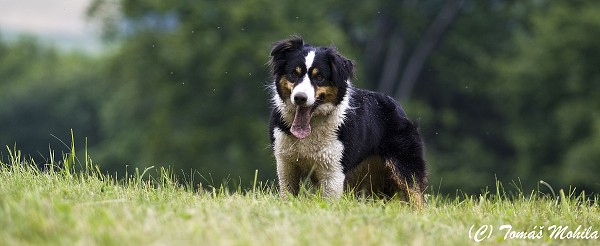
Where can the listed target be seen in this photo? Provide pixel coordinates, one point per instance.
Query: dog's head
(307, 78)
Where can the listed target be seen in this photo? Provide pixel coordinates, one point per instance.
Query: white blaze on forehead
(305, 85)
(309, 59)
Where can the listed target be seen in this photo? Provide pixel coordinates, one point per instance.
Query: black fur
(374, 125)
(378, 126)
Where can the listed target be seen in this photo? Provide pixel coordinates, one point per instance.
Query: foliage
(463, 129)
(43, 94)
(547, 88)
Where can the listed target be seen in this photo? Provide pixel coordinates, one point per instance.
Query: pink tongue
(301, 124)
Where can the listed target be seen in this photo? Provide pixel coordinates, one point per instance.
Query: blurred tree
(44, 94)
(548, 88)
(465, 131)
(397, 37)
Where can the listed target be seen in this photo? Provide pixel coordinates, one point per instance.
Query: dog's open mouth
(301, 124)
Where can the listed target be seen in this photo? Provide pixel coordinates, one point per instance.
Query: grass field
(61, 206)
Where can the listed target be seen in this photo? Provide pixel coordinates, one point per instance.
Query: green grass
(82, 206)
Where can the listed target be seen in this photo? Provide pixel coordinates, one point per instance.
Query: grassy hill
(61, 206)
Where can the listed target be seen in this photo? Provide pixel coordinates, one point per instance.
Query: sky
(62, 23)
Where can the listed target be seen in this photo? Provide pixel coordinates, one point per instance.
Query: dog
(338, 136)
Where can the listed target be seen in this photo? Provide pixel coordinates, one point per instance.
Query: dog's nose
(300, 98)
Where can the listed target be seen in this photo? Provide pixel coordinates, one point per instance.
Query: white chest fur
(318, 156)
(321, 149)
(320, 153)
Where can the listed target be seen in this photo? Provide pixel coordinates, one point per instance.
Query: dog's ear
(280, 50)
(342, 68)
(284, 46)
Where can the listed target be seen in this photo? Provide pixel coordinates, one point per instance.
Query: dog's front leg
(289, 178)
(331, 183)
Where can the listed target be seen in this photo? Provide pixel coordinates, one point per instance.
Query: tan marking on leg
(413, 192)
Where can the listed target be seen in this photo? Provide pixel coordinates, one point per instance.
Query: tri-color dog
(339, 136)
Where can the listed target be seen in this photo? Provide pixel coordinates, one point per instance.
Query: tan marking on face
(327, 93)
(298, 70)
(286, 87)
(315, 71)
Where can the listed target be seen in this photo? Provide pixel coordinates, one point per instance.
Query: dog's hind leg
(403, 157)
(410, 185)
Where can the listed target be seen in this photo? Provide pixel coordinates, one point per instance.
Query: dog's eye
(319, 78)
(293, 75)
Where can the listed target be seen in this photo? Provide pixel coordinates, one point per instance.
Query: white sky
(60, 22)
